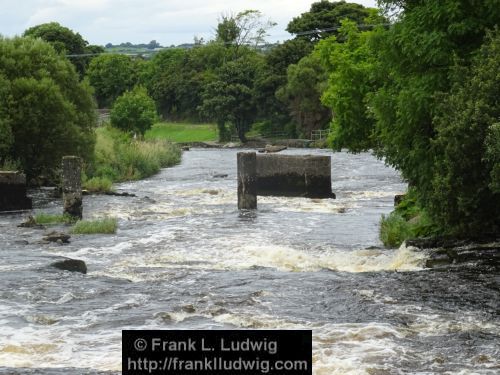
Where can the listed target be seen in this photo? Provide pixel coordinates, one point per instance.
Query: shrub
(134, 111)
(408, 220)
(102, 226)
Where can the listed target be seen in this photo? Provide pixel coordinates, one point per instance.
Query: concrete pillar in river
(72, 186)
(247, 180)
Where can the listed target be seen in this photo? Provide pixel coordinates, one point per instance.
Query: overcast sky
(140, 21)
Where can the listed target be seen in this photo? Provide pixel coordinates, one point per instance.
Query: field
(182, 132)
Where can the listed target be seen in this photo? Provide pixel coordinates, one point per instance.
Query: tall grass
(44, 218)
(100, 226)
(118, 157)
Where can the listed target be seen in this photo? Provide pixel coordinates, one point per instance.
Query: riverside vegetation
(415, 82)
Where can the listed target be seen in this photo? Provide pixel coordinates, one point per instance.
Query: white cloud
(167, 21)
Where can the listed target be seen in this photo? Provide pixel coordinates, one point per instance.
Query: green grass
(120, 158)
(407, 221)
(100, 226)
(182, 132)
(98, 184)
(43, 218)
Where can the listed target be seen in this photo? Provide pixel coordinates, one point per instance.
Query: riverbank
(118, 158)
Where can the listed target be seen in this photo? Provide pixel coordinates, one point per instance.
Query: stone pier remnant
(247, 180)
(13, 195)
(282, 175)
(72, 186)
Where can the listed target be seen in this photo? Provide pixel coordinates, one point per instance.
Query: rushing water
(185, 258)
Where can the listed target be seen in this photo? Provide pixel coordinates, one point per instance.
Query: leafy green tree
(466, 183)
(111, 75)
(65, 41)
(328, 15)
(134, 111)
(176, 78)
(46, 110)
(416, 58)
(229, 96)
(352, 68)
(272, 77)
(302, 93)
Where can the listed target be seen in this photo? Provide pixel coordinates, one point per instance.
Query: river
(185, 258)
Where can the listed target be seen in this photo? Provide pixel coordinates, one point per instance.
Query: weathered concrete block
(13, 192)
(294, 176)
(247, 180)
(72, 186)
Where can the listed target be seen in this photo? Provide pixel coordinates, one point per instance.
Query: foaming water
(185, 258)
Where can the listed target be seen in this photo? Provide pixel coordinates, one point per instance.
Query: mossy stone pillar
(72, 186)
(247, 180)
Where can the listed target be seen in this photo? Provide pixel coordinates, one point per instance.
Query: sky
(140, 21)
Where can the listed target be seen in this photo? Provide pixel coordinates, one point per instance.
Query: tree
(65, 41)
(352, 67)
(229, 96)
(111, 75)
(302, 92)
(328, 15)
(134, 111)
(466, 181)
(416, 58)
(271, 78)
(247, 28)
(46, 112)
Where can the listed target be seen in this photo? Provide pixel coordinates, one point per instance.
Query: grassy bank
(182, 132)
(118, 157)
(407, 221)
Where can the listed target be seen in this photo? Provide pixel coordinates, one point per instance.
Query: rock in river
(72, 265)
(57, 237)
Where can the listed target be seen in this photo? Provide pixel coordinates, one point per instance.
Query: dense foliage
(46, 112)
(466, 181)
(409, 93)
(65, 41)
(111, 75)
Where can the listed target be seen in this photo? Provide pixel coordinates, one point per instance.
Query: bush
(134, 111)
(100, 226)
(408, 220)
(45, 111)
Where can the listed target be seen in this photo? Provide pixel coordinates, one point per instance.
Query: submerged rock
(445, 251)
(271, 149)
(219, 175)
(31, 223)
(72, 265)
(58, 237)
(116, 194)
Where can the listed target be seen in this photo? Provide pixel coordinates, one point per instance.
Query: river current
(184, 257)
